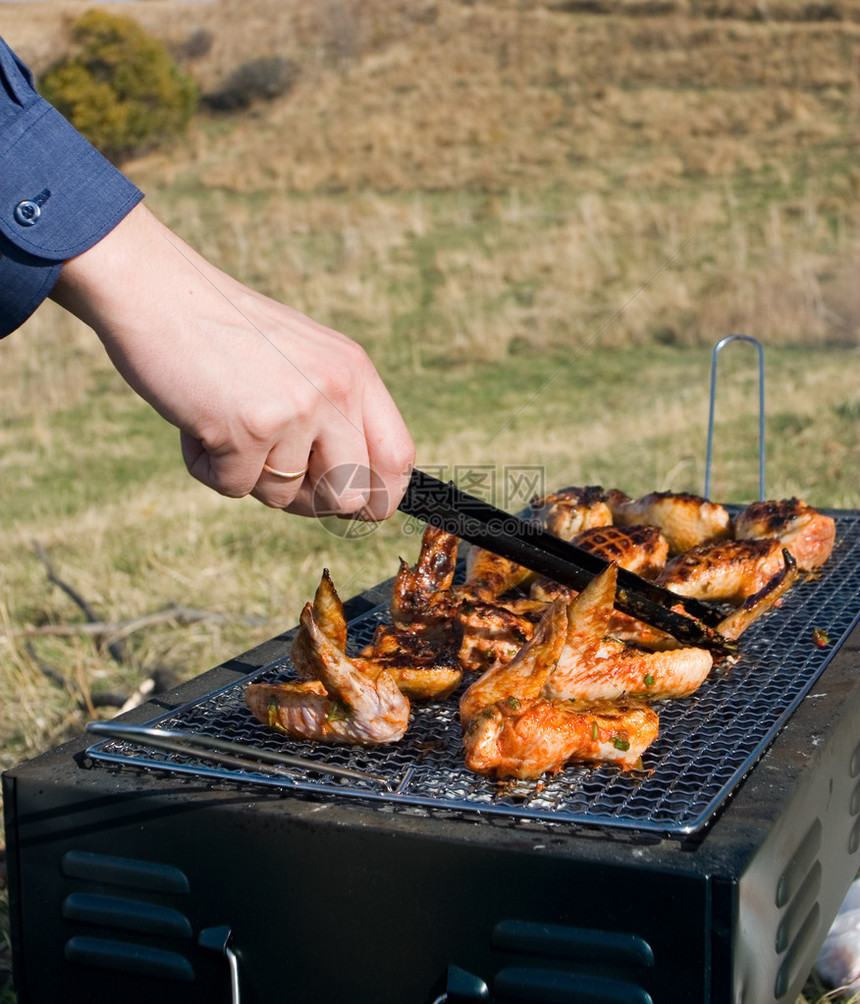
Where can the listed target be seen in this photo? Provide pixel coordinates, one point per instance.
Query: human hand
(246, 380)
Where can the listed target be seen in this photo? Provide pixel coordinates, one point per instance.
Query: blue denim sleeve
(58, 195)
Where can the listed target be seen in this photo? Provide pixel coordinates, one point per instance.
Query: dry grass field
(538, 217)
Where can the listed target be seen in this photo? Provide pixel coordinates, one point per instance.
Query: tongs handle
(444, 505)
(223, 751)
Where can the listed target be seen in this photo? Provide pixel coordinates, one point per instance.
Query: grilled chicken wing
(806, 533)
(421, 661)
(329, 617)
(540, 737)
(572, 510)
(419, 594)
(641, 549)
(515, 722)
(733, 626)
(339, 703)
(596, 667)
(475, 620)
(524, 677)
(685, 520)
(728, 570)
(492, 635)
(423, 666)
(489, 575)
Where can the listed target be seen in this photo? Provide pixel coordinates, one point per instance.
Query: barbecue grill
(394, 876)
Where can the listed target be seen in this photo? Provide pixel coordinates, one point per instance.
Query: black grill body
(123, 880)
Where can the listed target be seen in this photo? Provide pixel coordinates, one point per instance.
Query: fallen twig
(115, 648)
(122, 628)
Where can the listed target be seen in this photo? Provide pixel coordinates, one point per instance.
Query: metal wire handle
(217, 939)
(721, 344)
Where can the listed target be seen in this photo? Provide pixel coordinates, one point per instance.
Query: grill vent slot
(605, 958)
(140, 960)
(157, 926)
(799, 907)
(548, 986)
(128, 914)
(854, 804)
(131, 872)
(799, 864)
(574, 943)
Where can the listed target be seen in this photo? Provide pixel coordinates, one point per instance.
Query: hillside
(486, 176)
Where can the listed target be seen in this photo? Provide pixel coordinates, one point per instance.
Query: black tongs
(444, 505)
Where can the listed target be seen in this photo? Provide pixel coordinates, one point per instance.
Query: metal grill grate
(707, 742)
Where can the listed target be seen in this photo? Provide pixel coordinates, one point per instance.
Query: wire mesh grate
(707, 742)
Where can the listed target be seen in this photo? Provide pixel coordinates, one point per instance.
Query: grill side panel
(796, 882)
(329, 904)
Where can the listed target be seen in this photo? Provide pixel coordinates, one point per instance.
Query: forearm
(247, 380)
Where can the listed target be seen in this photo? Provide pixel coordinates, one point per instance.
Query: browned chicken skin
(337, 703)
(572, 693)
(593, 666)
(423, 667)
(570, 511)
(639, 549)
(491, 635)
(421, 661)
(806, 533)
(685, 520)
(733, 626)
(512, 729)
(526, 740)
(419, 594)
(474, 620)
(490, 575)
(726, 571)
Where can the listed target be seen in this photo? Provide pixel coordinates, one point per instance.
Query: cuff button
(27, 213)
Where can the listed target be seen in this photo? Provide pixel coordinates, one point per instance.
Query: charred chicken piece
(685, 520)
(595, 666)
(482, 627)
(515, 727)
(725, 571)
(424, 667)
(570, 511)
(338, 703)
(808, 534)
(491, 634)
(421, 662)
(419, 595)
(640, 549)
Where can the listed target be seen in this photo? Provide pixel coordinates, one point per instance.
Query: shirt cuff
(58, 197)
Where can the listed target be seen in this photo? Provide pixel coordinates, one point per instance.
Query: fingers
(339, 480)
(304, 423)
(248, 381)
(359, 467)
(391, 453)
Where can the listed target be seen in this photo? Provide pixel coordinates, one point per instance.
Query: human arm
(247, 380)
